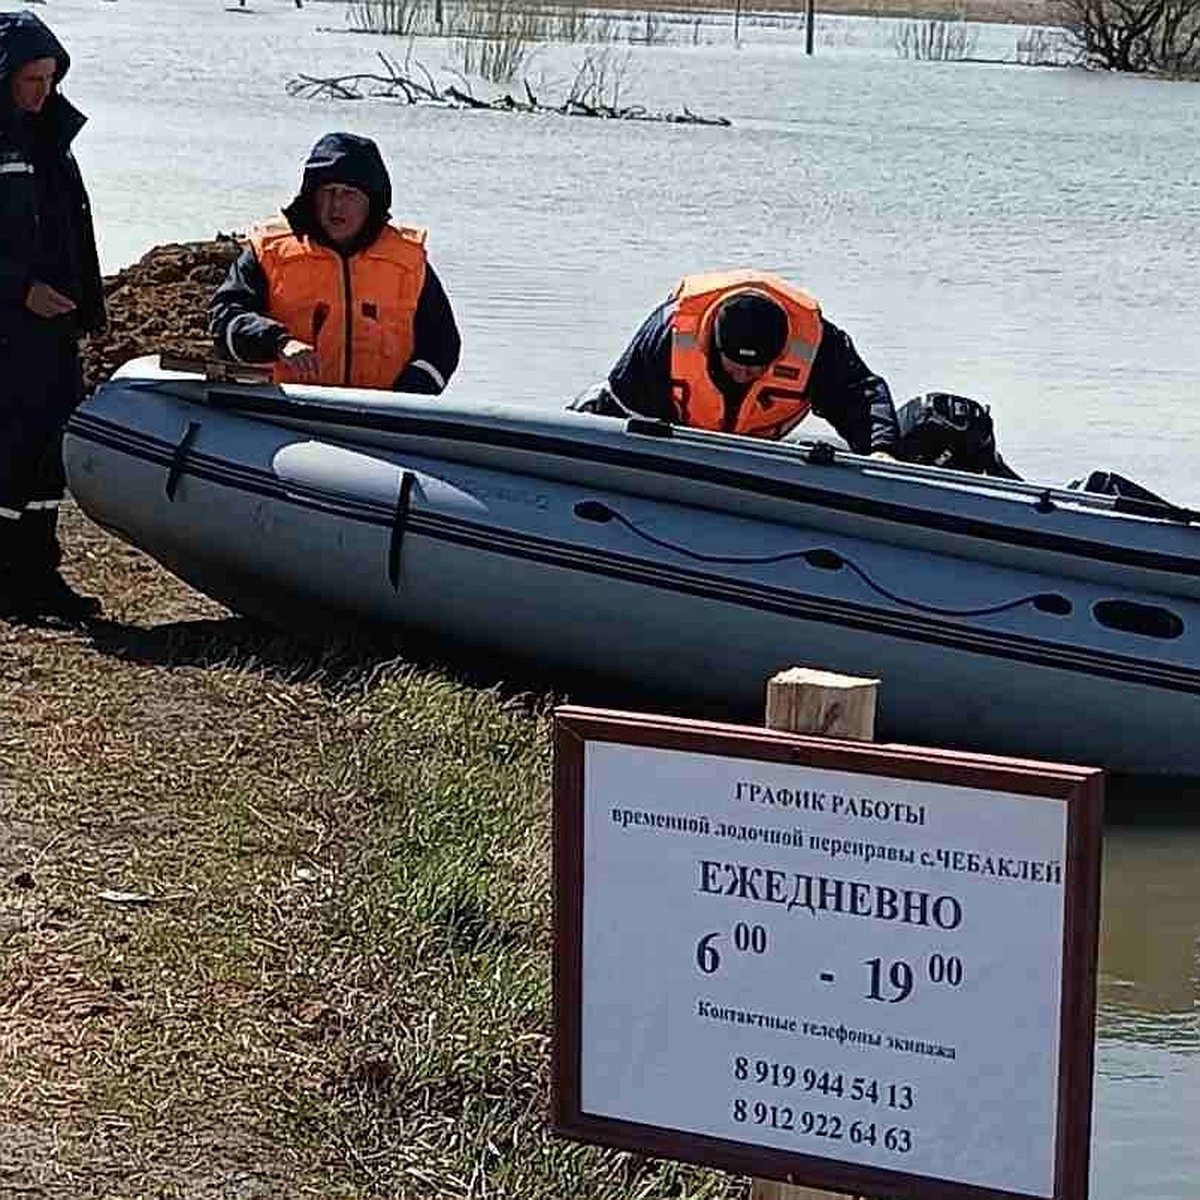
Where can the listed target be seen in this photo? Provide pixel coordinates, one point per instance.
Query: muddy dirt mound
(158, 304)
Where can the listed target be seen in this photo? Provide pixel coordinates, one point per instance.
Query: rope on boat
(399, 521)
(175, 472)
(824, 559)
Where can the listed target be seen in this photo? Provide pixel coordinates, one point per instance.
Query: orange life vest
(774, 403)
(357, 311)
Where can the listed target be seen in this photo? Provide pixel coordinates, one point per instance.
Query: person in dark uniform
(50, 294)
(745, 352)
(333, 292)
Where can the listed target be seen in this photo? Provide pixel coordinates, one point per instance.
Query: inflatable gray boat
(1000, 615)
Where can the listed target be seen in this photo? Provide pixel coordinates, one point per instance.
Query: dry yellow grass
(165, 830)
(274, 921)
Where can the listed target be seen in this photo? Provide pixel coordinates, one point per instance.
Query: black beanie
(348, 159)
(751, 329)
(353, 161)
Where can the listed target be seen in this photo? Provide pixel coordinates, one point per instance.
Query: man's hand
(300, 358)
(44, 301)
(885, 455)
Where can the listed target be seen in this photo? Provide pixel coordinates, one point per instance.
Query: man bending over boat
(332, 292)
(745, 352)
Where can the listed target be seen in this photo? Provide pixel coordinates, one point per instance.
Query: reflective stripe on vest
(357, 312)
(774, 403)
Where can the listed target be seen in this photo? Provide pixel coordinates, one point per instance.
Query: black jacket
(238, 313)
(46, 231)
(45, 236)
(842, 388)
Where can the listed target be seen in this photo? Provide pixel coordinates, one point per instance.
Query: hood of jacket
(24, 37)
(351, 160)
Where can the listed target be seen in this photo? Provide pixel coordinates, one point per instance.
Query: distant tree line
(1135, 35)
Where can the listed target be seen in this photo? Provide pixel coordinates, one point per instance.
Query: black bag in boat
(945, 430)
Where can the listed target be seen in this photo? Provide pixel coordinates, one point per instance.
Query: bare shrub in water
(935, 41)
(573, 22)
(496, 39)
(1043, 47)
(1134, 35)
(403, 17)
(599, 80)
(651, 30)
(570, 23)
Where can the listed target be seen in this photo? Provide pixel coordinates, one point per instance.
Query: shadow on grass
(337, 655)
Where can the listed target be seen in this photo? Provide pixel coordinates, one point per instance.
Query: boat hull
(681, 584)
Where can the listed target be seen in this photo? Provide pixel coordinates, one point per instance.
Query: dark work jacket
(842, 388)
(46, 234)
(46, 228)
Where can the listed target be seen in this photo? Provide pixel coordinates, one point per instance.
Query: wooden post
(801, 700)
(768, 1189)
(809, 21)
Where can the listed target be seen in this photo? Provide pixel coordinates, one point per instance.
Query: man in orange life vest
(745, 352)
(335, 294)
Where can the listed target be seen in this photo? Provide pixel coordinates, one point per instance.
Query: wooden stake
(802, 700)
(768, 1189)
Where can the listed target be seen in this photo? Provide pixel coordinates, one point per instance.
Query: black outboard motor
(945, 430)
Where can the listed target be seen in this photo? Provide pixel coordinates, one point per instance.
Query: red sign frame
(1080, 788)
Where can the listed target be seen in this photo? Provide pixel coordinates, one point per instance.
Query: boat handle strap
(399, 520)
(176, 471)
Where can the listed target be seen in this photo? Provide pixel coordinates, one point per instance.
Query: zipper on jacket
(346, 301)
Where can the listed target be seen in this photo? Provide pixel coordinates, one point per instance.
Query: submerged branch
(400, 85)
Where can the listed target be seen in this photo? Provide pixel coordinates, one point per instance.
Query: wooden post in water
(801, 700)
(809, 21)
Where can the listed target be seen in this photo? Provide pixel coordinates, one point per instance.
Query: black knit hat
(353, 161)
(751, 329)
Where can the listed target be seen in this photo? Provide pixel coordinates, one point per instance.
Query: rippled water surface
(1025, 236)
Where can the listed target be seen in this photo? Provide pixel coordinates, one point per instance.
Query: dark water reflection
(1146, 1122)
(1149, 988)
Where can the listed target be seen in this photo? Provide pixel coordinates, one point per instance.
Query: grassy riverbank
(274, 920)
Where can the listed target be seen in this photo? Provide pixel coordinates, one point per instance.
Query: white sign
(824, 962)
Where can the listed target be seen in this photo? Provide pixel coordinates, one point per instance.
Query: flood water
(1025, 236)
